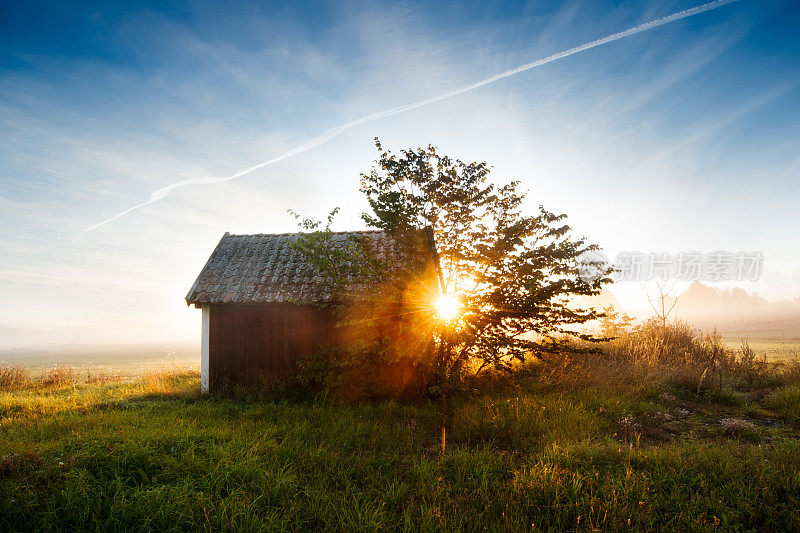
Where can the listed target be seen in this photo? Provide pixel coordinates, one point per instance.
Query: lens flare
(447, 307)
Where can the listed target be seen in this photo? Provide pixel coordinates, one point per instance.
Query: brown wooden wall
(250, 343)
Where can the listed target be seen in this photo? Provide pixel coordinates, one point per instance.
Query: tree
(664, 310)
(513, 274)
(376, 299)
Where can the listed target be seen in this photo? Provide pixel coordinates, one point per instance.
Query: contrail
(335, 132)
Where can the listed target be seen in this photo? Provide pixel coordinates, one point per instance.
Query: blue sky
(684, 137)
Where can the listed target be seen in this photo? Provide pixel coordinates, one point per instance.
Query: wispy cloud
(332, 133)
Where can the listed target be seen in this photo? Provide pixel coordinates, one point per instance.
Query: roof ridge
(299, 233)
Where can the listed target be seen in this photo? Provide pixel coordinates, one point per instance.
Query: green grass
(152, 454)
(786, 402)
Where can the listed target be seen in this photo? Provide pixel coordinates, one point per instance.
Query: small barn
(261, 311)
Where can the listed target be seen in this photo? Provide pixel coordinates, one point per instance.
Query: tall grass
(657, 355)
(20, 378)
(59, 376)
(14, 377)
(786, 401)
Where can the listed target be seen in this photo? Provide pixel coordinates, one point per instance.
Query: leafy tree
(388, 338)
(514, 274)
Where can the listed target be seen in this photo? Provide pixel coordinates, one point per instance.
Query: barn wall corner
(205, 345)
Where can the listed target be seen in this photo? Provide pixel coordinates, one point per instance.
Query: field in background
(775, 349)
(777, 344)
(127, 358)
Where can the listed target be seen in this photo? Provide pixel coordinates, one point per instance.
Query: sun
(447, 307)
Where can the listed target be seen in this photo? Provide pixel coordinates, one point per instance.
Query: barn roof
(266, 268)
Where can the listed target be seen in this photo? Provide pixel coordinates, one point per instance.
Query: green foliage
(385, 345)
(614, 324)
(515, 274)
(345, 268)
(363, 371)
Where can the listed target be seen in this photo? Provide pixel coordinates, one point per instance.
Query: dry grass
(160, 381)
(59, 376)
(654, 356)
(39, 398)
(20, 379)
(14, 377)
(101, 376)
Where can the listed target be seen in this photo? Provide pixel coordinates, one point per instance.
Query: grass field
(775, 345)
(113, 358)
(150, 453)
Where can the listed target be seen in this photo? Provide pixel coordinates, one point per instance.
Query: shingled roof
(265, 268)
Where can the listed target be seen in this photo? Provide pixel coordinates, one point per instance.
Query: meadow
(128, 359)
(777, 345)
(580, 443)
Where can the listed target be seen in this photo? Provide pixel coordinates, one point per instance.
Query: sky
(681, 138)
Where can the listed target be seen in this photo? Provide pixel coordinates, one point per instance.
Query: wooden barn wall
(252, 343)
